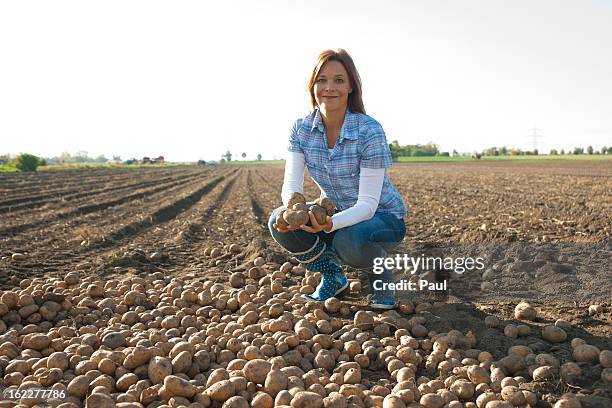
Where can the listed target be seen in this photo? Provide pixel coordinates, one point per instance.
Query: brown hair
(355, 103)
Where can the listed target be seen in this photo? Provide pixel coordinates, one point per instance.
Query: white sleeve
(370, 187)
(294, 176)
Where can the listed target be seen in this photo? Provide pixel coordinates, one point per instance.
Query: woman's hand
(316, 227)
(283, 230)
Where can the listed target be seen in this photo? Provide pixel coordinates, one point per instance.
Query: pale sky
(192, 79)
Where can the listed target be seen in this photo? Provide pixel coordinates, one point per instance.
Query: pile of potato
(167, 342)
(296, 213)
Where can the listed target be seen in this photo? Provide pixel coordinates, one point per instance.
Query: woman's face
(332, 87)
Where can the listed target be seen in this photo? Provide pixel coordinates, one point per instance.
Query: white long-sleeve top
(370, 187)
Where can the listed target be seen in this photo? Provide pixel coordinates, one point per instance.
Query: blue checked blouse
(361, 143)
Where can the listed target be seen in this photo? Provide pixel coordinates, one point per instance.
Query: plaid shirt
(361, 143)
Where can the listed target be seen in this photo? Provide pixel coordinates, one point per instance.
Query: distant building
(159, 159)
(2, 162)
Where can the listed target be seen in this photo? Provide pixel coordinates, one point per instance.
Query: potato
(363, 320)
(431, 400)
(327, 204)
(392, 401)
(280, 220)
(463, 389)
(524, 311)
(100, 401)
(335, 400)
(544, 373)
(177, 386)
(564, 324)
(296, 218)
(262, 400)
(158, 369)
(586, 354)
(236, 402)
(319, 213)
(275, 382)
(78, 386)
(513, 395)
(595, 309)
(478, 374)
(257, 370)
(306, 399)
(523, 330)
(605, 358)
(296, 198)
(606, 375)
(568, 401)
(511, 331)
(221, 391)
(498, 404)
(484, 398)
(570, 369)
(553, 334)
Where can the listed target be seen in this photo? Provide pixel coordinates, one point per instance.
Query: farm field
(543, 229)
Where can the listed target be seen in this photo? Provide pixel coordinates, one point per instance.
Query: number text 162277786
(34, 393)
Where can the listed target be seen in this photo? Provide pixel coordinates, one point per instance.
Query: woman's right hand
(283, 230)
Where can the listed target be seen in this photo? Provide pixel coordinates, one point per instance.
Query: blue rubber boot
(383, 298)
(321, 259)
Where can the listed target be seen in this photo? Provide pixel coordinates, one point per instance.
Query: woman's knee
(273, 216)
(349, 245)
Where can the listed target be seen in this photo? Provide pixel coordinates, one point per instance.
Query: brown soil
(543, 230)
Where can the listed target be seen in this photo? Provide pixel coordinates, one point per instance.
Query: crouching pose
(347, 154)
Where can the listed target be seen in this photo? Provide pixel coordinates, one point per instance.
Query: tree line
(432, 149)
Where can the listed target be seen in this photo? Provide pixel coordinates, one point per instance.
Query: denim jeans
(356, 245)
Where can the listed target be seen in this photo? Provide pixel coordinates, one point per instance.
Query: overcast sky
(193, 79)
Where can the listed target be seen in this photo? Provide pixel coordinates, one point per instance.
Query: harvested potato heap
(167, 342)
(296, 213)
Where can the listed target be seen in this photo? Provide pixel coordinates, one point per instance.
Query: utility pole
(534, 137)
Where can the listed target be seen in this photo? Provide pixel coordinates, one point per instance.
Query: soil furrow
(30, 202)
(89, 208)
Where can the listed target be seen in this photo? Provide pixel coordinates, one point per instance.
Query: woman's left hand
(315, 226)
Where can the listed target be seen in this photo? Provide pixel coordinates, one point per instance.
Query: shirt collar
(349, 129)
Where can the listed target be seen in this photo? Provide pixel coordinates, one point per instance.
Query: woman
(347, 154)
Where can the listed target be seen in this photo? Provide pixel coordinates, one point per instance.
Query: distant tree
(26, 162)
(101, 159)
(491, 151)
(116, 158)
(455, 152)
(503, 151)
(258, 156)
(444, 154)
(553, 152)
(562, 151)
(610, 150)
(590, 149)
(535, 152)
(81, 157)
(604, 150)
(578, 150)
(65, 157)
(395, 149)
(243, 155)
(514, 151)
(228, 156)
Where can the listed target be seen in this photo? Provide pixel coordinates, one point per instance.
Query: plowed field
(543, 229)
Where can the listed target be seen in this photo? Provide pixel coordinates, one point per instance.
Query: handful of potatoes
(296, 213)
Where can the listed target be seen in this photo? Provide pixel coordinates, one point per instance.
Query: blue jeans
(356, 245)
